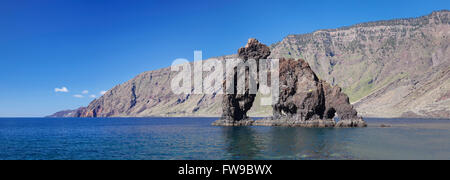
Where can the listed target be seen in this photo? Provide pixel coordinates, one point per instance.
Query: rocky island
(304, 100)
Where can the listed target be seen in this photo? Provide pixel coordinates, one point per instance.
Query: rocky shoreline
(390, 69)
(290, 122)
(304, 100)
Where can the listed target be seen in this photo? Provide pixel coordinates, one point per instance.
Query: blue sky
(94, 45)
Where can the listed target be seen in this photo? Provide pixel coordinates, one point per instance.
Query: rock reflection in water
(305, 143)
(284, 143)
(241, 142)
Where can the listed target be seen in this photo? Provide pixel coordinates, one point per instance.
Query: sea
(196, 139)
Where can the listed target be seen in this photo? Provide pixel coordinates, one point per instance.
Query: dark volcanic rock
(306, 101)
(388, 68)
(235, 106)
(301, 92)
(336, 102)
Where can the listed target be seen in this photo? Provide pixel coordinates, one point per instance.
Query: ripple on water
(194, 138)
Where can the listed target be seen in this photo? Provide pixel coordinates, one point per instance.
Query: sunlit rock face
(388, 69)
(235, 106)
(306, 101)
(301, 92)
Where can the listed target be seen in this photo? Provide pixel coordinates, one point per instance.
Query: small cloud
(78, 96)
(103, 92)
(92, 96)
(85, 92)
(63, 89)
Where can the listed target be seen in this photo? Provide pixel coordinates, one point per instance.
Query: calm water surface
(194, 138)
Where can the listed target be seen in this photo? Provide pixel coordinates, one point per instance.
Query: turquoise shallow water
(194, 138)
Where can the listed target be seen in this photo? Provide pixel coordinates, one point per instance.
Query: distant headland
(393, 68)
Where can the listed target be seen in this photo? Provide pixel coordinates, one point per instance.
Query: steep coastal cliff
(387, 68)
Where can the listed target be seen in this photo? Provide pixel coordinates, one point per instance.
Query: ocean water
(196, 139)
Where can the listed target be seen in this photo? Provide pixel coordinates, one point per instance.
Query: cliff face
(388, 69)
(150, 94)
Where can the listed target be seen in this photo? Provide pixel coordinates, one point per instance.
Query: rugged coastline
(304, 100)
(388, 69)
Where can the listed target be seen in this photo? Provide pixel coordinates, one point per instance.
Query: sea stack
(304, 100)
(307, 101)
(235, 106)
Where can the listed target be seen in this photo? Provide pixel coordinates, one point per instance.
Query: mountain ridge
(372, 61)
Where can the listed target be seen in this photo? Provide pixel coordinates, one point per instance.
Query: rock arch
(235, 106)
(304, 99)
